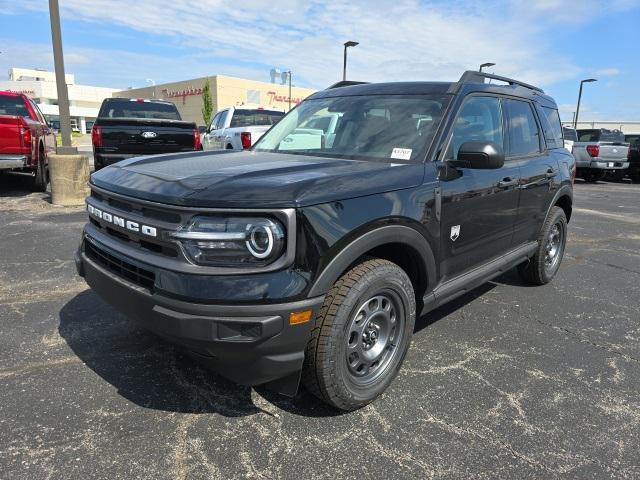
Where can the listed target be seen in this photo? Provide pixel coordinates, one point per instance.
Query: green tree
(207, 109)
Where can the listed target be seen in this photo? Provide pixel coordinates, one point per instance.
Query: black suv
(309, 257)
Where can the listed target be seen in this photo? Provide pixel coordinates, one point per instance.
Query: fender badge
(455, 232)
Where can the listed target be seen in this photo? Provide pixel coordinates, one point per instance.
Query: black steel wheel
(361, 335)
(544, 265)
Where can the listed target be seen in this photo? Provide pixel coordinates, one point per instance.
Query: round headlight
(260, 240)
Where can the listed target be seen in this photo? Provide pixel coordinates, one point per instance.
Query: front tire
(361, 335)
(544, 265)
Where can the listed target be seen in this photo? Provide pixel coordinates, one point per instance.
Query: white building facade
(40, 85)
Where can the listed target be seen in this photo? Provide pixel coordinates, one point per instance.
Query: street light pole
(61, 83)
(348, 44)
(487, 65)
(575, 120)
(289, 75)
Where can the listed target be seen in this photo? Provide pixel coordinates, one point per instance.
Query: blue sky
(551, 43)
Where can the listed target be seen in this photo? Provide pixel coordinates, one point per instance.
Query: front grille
(137, 212)
(139, 276)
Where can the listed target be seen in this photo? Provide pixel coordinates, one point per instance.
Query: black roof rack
(345, 83)
(471, 76)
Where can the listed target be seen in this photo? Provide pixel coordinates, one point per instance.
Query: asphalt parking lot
(507, 382)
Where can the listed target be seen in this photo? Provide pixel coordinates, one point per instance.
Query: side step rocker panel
(467, 281)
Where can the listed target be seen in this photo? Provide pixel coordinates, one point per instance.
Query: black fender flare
(564, 190)
(369, 240)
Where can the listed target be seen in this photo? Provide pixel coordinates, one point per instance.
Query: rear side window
(134, 108)
(10, 105)
(248, 118)
(480, 119)
(552, 127)
(524, 137)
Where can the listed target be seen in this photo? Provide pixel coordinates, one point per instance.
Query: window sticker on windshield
(401, 153)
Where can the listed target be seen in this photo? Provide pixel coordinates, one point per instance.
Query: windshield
(374, 127)
(248, 118)
(135, 108)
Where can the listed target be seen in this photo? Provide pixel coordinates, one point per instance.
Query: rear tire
(544, 265)
(361, 335)
(591, 177)
(42, 174)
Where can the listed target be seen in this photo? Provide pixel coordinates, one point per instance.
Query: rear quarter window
(552, 127)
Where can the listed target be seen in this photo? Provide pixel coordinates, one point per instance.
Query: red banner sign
(187, 92)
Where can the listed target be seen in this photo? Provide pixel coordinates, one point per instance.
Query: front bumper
(249, 344)
(8, 162)
(603, 165)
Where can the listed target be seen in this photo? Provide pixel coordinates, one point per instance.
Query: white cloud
(399, 40)
(607, 72)
(403, 39)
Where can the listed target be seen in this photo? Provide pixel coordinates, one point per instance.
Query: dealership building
(225, 92)
(40, 85)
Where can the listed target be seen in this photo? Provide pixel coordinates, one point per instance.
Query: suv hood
(252, 179)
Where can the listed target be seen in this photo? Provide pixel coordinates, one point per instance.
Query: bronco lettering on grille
(122, 222)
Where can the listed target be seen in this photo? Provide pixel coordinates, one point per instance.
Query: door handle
(508, 182)
(551, 173)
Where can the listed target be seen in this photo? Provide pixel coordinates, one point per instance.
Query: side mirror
(480, 155)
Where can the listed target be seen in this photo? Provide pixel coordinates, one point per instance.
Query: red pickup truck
(25, 138)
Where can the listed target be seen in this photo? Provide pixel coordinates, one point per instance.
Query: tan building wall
(626, 127)
(225, 92)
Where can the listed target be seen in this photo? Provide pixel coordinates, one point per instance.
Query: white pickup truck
(238, 128)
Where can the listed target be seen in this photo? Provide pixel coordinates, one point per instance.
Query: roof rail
(471, 76)
(345, 83)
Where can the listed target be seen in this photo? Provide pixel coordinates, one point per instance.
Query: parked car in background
(319, 131)
(26, 139)
(238, 128)
(634, 156)
(312, 264)
(570, 137)
(131, 127)
(600, 151)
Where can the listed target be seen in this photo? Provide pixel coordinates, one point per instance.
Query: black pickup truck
(309, 256)
(131, 127)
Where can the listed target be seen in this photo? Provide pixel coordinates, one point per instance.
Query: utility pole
(61, 82)
(289, 75)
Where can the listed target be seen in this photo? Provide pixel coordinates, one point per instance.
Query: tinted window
(611, 136)
(524, 138)
(480, 119)
(10, 105)
(600, 135)
(632, 139)
(569, 134)
(553, 136)
(134, 108)
(247, 118)
(390, 128)
(588, 135)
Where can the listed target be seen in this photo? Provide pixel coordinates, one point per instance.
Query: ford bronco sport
(310, 260)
